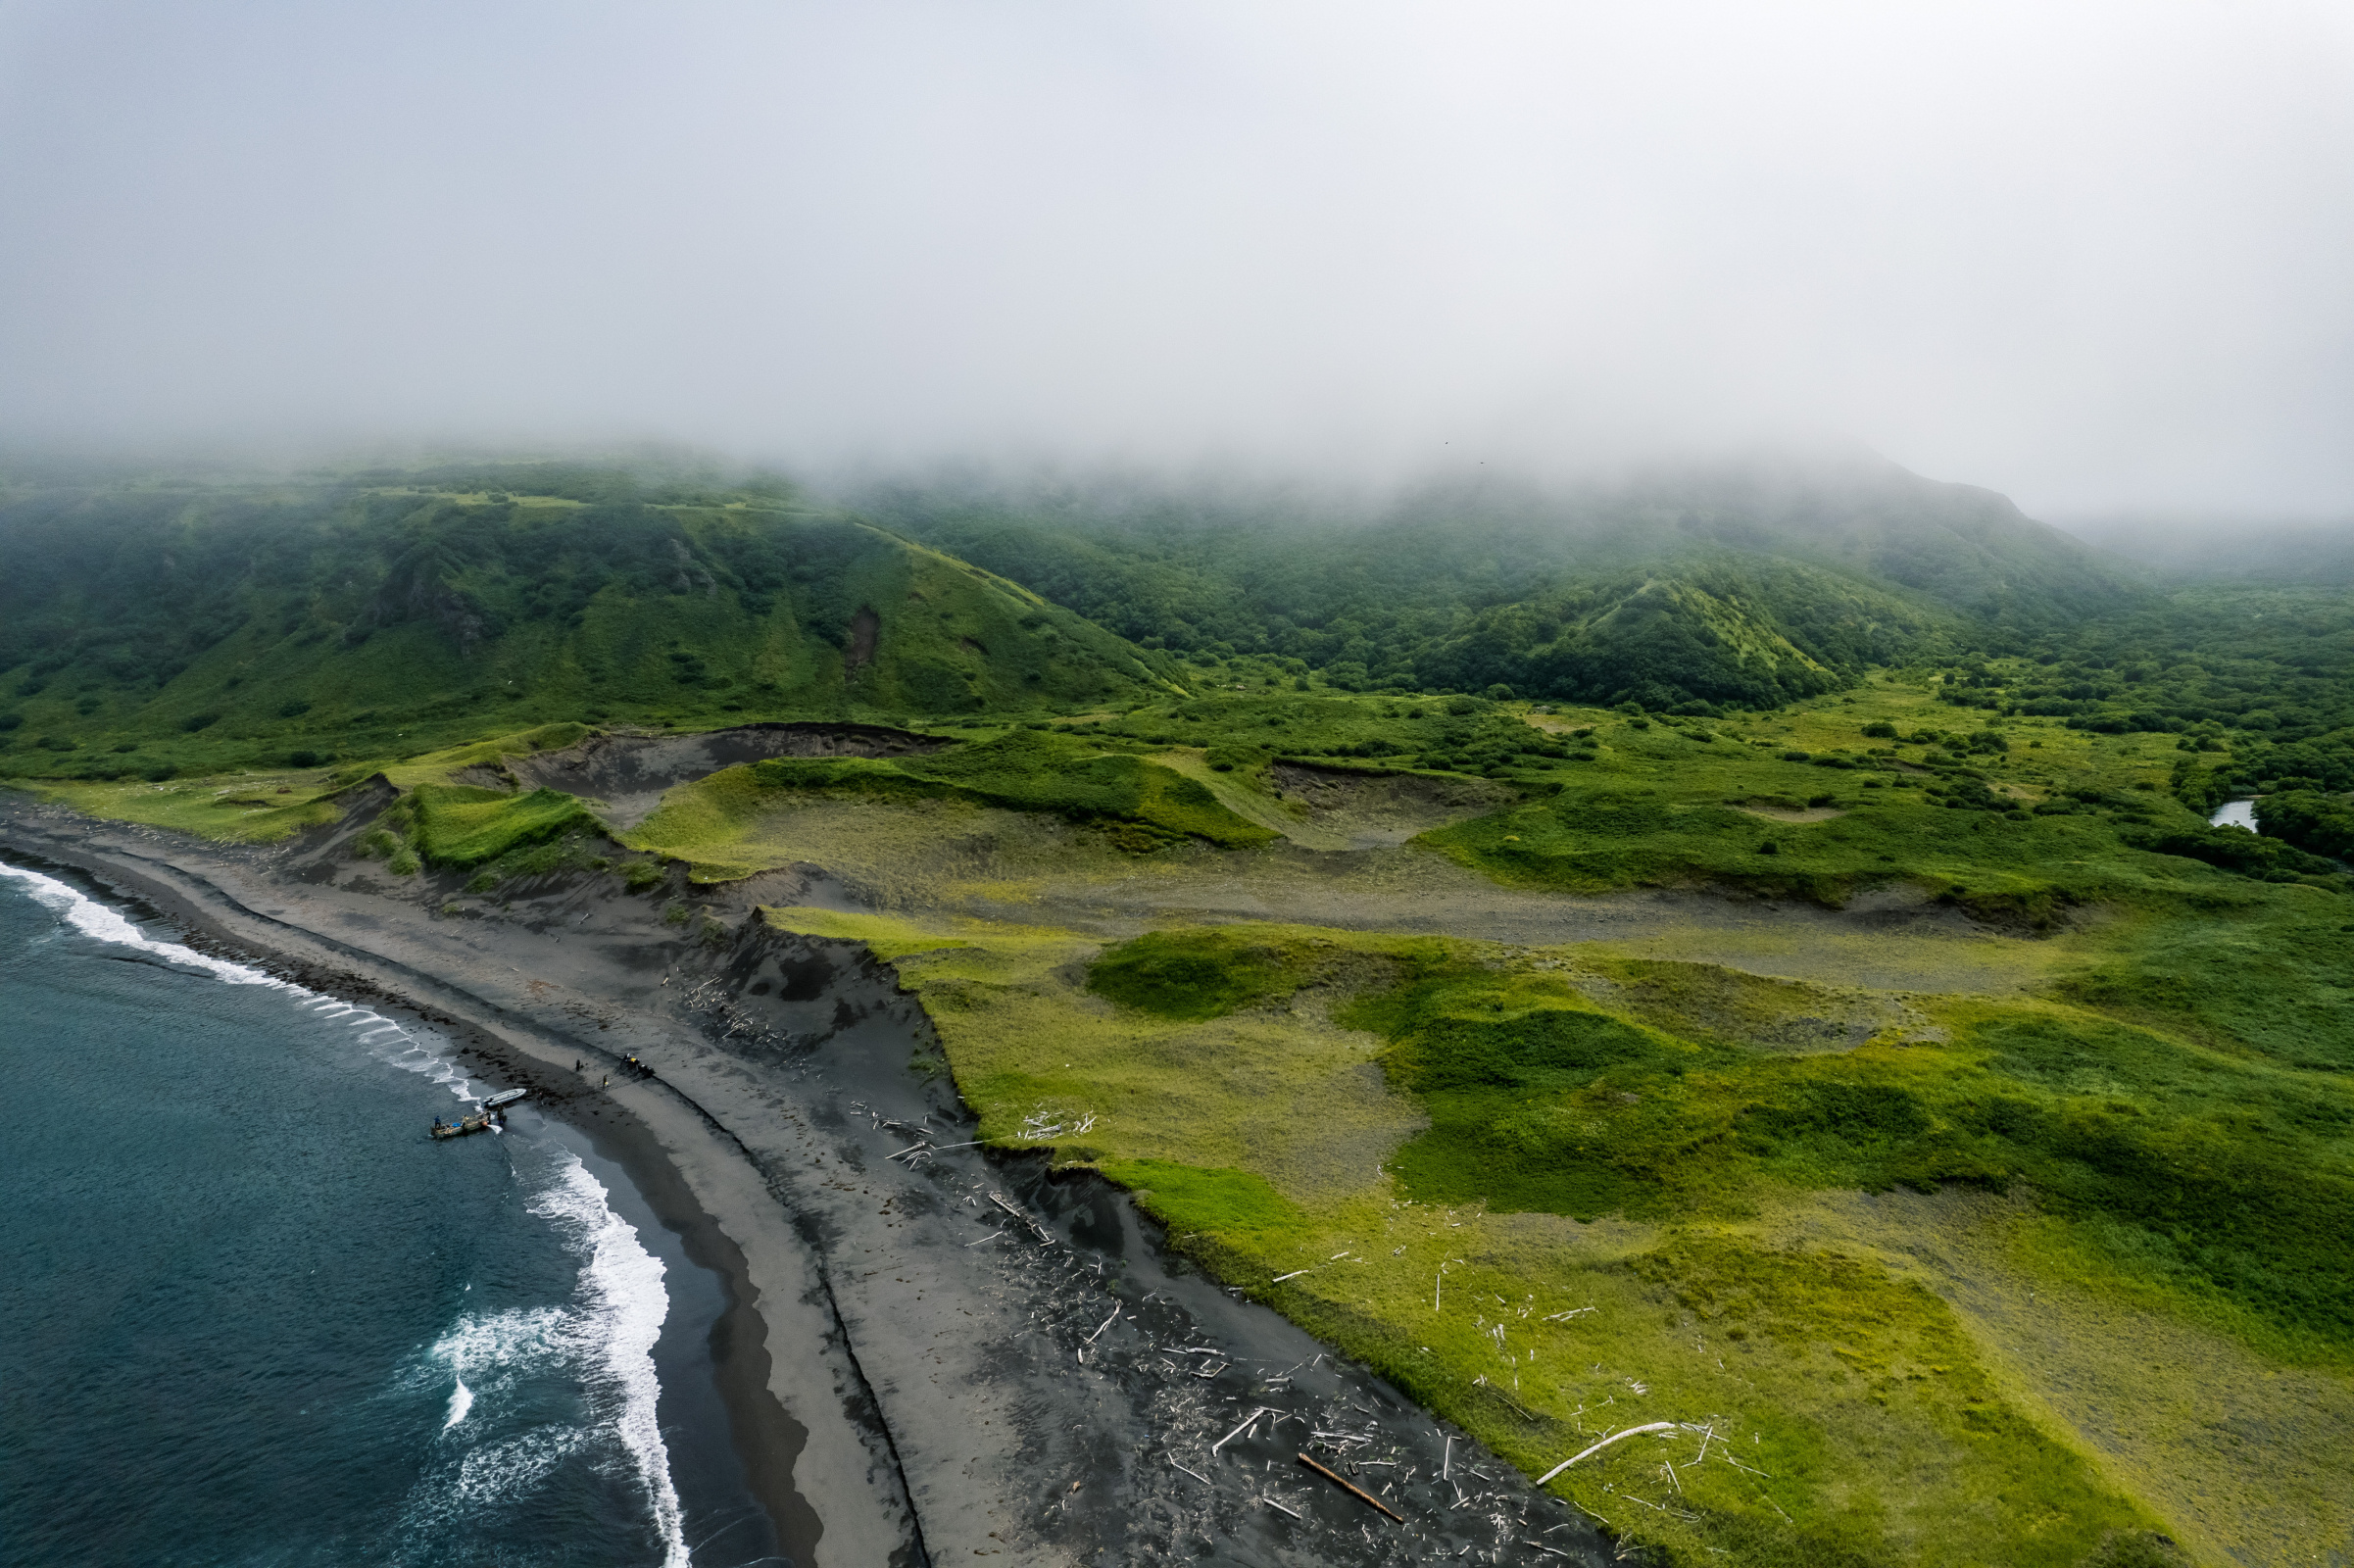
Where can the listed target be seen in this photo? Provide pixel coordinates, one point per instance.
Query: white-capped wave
(498, 1473)
(103, 922)
(106, 924)
(461, 1399)
(492, 1347)
(623, 1305)
(607, 1334)
(603, 1339)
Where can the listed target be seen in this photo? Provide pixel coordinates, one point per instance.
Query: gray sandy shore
(947, 1355)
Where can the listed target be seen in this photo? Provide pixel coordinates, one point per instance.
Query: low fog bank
(2229, 546)
(2091, 256)
(1821, 486)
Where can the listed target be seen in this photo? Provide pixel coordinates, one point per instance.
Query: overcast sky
(2099, 257)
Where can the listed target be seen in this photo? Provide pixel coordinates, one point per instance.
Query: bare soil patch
(864, 628)
(628, 773)
(1786, 813)
(1367, 810)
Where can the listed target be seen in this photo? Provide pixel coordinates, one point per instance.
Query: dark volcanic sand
(970, 1358)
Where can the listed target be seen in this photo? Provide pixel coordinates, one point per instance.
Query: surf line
(621, 1289)
(102, 923)
(622, 1283)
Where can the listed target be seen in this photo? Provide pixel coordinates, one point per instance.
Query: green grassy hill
(165, 627)
(1738, 587)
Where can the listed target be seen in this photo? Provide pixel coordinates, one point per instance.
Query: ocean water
(250, 1313)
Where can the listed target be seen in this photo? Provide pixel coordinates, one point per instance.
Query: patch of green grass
(715, 823)
(2207, 1174)
(1189, 1197)
(2003, 864)
(492, 752)
(1877, 1429)
(1197, 972)
(461, 825)
(241, 809)
(1036, 773)
(2271, 977)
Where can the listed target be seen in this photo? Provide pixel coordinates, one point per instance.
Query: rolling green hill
(160, 627)
(1735, 587)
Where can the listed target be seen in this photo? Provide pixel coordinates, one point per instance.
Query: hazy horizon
(2091, 259)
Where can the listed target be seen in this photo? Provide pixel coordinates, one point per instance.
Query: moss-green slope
(149, 633)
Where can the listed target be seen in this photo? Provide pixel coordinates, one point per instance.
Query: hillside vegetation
(1739, 588)
(1752, 956)
(170, 628)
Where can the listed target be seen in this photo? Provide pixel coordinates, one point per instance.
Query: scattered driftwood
(1353, 1490)
(1238, 1431)
(1615, 1436)
(1036, 1229)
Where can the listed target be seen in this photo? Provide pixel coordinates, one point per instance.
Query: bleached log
(1238, 1431)
(1615, 1436)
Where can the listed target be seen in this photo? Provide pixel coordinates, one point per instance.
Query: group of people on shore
(629, 1064)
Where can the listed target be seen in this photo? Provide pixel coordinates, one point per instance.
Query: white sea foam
(610, 1332)
(461, 1399)
(94, 919)
(496, 1474)
(103, 923)
(493, 1348)
(623, 1306)
(604, 1338)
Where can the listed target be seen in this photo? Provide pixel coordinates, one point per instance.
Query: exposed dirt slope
(627, 774)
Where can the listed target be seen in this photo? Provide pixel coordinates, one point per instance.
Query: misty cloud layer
(2093, 256)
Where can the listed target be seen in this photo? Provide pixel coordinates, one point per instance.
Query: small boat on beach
(490, 1118)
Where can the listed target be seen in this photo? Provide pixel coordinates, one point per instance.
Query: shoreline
(767, 1440)
(934, 1384)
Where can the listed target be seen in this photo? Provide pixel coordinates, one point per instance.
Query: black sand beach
(972, 1357)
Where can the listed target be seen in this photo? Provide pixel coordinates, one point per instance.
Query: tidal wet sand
(973, 1357)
